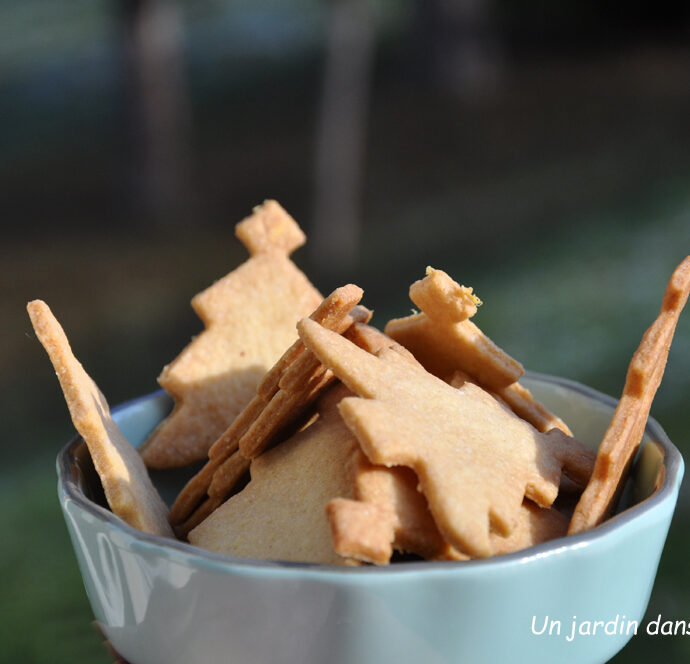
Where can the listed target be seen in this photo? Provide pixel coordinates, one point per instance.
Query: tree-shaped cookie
(444, 339)
(283, 397)
(386, 513)
(249, 317)
(389, 513)
(280, 514)
(475, 459)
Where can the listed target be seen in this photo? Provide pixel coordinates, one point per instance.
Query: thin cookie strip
(192, 494)
(614, 464)
(202, 511)
(279, 514)
(522, 403)
(227, 443)
(195, 490)
(228, 473)
(624, 434)
(126, 483)
(338, 311)
(300, 384)
(283, 410)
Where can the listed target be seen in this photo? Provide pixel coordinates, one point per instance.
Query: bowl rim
(69, 488)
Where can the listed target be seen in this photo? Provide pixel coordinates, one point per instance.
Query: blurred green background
(539, 152)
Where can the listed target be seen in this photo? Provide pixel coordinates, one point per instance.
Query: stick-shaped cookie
(127, 486)
(249, 317)
(475, 460)
(280, 514)
(624, 434)
(287, 390)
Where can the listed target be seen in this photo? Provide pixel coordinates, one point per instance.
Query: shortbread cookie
(624, 434)
(280, 514)
(126, 483)
(283, 396)
(249, 318)
(387, 513)
(390, 513)
(445, 341)
(475, 460)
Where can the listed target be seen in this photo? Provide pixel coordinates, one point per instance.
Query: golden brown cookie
(441, 298)
(624, 434)
(387, 513)
(475, 460)
(249, 318)
(535, 525)
(390, 513)
(126, 483)
(445, 341)
(283, 397)
(280, 514)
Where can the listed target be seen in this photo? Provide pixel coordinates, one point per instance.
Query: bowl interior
(586, 411)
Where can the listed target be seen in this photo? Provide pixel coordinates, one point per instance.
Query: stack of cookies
(327, 440)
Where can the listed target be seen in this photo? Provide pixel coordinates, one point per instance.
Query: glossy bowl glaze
(163, 602)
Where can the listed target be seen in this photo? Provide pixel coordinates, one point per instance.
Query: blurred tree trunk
(341, 136)
(157, 108)
(459, 44)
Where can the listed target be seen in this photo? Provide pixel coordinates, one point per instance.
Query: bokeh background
(537, 151)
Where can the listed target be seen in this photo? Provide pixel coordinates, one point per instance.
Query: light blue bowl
(163, 602)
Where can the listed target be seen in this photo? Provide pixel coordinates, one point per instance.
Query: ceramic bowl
(162, 602)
